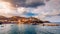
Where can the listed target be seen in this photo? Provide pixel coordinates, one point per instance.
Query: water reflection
(28, 29)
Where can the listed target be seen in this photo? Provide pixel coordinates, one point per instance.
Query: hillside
(21, 20)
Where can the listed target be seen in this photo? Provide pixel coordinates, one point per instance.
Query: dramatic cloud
(49, 11)
(26, 3)
(42, 9)
(18, 7)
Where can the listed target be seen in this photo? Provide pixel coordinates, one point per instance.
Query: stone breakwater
(49, 24)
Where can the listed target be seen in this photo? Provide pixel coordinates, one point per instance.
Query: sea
(28, 29)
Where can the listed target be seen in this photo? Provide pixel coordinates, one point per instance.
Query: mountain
(21, 20)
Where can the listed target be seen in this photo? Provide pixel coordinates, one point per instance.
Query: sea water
(28, 29)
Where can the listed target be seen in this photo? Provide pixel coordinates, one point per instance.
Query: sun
(5, 6)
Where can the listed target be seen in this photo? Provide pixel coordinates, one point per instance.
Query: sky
(41, 9)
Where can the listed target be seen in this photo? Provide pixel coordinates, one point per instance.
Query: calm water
(28, 29)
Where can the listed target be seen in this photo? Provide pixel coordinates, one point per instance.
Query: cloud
(49, 11)
(43, 8)
(53, 19)
(18, 7)
(26, 3)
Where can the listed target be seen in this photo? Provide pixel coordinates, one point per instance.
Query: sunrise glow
(5, 6)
